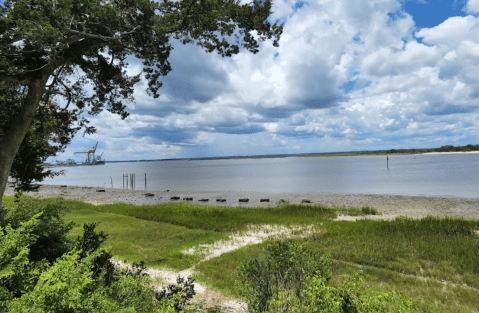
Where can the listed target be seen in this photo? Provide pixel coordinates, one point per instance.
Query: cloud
(472, 6)
(348, 75)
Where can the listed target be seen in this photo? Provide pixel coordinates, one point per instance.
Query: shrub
(183, 291)
(50, 231)
(348, 298)
(284, 266)
(58, 275)
(288, 278)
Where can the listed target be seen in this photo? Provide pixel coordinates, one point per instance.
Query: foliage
(50, 231)
(81, 280)
(17, 273)
(289, 278)
(183, 291)
(284, 266)
(348, 298)
(50, 132)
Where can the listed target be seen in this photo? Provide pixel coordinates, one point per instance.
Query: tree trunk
(13, 137)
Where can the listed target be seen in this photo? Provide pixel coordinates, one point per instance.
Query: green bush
(50, 231)
(81, 279)
(283, 266)
(289, 278)
(348, 298)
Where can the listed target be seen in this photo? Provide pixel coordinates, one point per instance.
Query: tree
(55, 49)
(50, 132)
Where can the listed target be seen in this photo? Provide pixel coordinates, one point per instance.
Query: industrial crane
(90, 155)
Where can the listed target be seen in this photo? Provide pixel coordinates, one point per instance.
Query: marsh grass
(430, 295)
(443, 248)
(357, 212)
(222, 219)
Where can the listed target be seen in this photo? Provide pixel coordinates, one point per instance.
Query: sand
(453, 152)
(390, 206)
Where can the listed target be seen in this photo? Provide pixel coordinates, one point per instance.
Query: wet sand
(390, 206)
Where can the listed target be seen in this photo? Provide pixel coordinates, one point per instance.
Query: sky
(347, 76)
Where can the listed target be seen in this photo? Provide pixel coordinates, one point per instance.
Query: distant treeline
(447, 148)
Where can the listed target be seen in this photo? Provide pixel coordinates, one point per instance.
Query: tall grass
(442, 248)
(221, 219)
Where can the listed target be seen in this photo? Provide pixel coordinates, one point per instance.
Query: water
(431, 175)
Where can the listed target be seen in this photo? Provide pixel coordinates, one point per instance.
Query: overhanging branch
(100, 37)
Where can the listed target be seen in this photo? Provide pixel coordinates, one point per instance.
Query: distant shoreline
(453, 152)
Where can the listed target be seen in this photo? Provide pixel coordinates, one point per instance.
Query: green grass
(158, 244)
(430, 295)
(445, 249)
(219, 273)
(221, 219)
(411, 256)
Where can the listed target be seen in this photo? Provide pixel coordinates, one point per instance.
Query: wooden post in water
(387, 161)
(145, 181)
(125, 176)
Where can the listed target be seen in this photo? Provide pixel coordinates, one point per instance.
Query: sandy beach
(453, 152)
(390, 206)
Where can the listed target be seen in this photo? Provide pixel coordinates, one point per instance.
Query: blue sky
(347, 76)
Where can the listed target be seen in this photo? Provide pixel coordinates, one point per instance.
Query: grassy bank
(433, 261)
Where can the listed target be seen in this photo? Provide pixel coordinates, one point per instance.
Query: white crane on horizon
(90, 155)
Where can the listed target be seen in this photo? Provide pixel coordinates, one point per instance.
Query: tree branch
(100, 37)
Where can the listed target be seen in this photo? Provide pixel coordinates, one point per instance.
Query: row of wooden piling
(129, 181)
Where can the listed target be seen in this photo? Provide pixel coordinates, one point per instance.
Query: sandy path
(252, 235)
(390, 205)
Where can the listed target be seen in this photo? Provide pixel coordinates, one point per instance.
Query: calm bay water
(431, 175)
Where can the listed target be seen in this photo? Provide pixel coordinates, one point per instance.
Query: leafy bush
(80, 279)
(183, 291)
(50, 231)
(289, 278)
(318, 297)
(283, 266)
(18, 274)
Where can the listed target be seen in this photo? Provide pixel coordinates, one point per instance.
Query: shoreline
(453, 152)
(391, 206)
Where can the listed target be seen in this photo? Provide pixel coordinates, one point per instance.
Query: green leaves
(285, 266)
(289, 278)
(80, 280)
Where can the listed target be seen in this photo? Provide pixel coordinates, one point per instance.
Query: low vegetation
(404, 265)
(43, 270)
